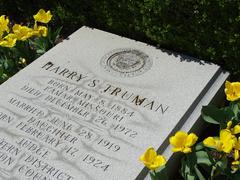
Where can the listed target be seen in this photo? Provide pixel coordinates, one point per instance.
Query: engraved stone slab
(89, 107)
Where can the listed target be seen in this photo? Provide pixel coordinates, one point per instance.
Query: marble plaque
(89, 107)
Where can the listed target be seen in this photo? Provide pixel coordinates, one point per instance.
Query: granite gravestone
(89, 107)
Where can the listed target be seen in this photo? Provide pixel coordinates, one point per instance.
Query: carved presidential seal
(126, 62)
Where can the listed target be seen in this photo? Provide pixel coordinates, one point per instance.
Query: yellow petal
(191, 140)
(22, 32)
(232, 90)
(40, 31)
(179, 139)
(236, 129)
(187, 150)
(236, 87)
(237, 145)
(210, 142)
(219, 145)
(228, 140)
(182, 142)
(235, 163)
(177, 149)
(229, 124)
(8, 41)
(149, 155)
(4, 22)
(228, 85)
(236, 154)
(225, 135)
(159, 161)
(151, 160)
(228, 90)
(43, 16)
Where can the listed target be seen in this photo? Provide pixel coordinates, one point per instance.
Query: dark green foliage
(204, 29)
(24, 52)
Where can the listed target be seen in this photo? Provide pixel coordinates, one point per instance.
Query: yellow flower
(224, 143)
(213, 143)
(3, 25)
(151, 160)
(183, 142)
(235, 165)
(42, 16)
(8, 41)
(236, 150)
(236, 154)
(228, 140)
(40, 31)
(235, 129)
(232, 90)
(22, 32)
(235, 162)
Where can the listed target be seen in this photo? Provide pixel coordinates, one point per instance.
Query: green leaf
(212, 114)
(199, 146)
(235, 109)
(199, 174)
(153, 176)
(3, 78)
(203, 158)
(1, 70)
(162, 173)
(184, 168)
(222, 164)
(191, 177)
(234, 106)
(229, 113)
(5, 63)
(187, 168)
(55, 35)
(40, 51)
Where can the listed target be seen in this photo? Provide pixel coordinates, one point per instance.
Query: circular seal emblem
(126, 62)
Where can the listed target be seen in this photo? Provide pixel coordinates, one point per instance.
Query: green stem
(212, 172)
(153, 175)
(189, 162)
(154, 172)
